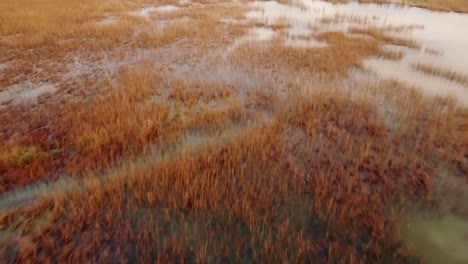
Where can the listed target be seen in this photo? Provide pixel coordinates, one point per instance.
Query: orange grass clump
(341, 54)
(380, 35)
(87, 134)
(451, 75)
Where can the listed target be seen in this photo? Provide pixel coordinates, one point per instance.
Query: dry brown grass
(246, 200)
(85, 137)
(286, 175)
(341, 54)
(451, 75)
(381, 34)
(345, 18)
(96, 133)
(49, 36)
(40, 37)
(94, 129)
(33, 23)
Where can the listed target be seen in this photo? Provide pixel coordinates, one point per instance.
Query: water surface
(441, 36)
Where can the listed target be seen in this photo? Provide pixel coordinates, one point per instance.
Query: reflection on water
(437, 238)
(442, 37)
(430, 85)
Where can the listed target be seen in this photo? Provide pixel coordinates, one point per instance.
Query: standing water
(441, 37)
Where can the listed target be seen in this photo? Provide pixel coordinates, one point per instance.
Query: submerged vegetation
(437, 5)
(224, 144)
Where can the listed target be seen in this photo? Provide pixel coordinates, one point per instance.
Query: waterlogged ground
(272, 131)
(437, 39)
